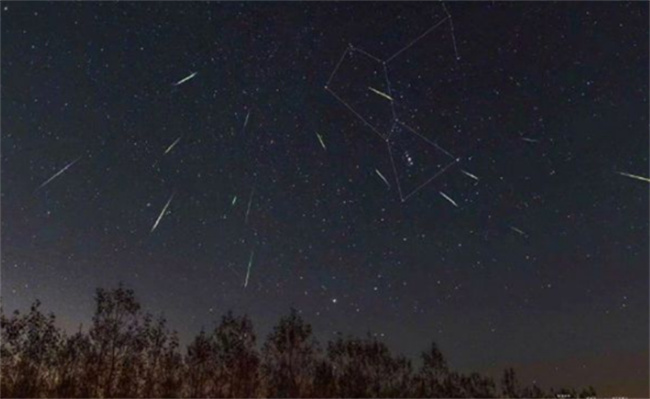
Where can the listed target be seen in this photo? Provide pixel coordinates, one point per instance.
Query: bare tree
(127, 353)
(236, 357)
(29, 353)
(288, 358)
(366, 368)
(199, 360)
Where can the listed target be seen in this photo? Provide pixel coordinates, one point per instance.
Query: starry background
(565, 300)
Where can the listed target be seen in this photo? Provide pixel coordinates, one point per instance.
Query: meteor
(383, 178)
(466, 173)
(320, 139)
(386, 96)
(445, 196)
(162, 213)
(250, 201)
(185, 79)
(173, 145)
(634, 176)
(248, 271)
(246, 121)
(57, 174)
(513, 228)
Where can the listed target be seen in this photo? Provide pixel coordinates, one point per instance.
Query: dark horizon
(128, 352)
(473, 174)
(552, 374)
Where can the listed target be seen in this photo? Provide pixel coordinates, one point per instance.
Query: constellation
(413, 174)
(368, 92)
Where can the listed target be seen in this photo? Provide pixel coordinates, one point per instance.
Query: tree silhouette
(509, 384)
(112, 336)
(288, 358)
(365, 368)
(127, 353)
(29, 352)
(73, 360)
(429, 382)
(199, 360)
(237, 360)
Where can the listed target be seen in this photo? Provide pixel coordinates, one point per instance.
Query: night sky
(541, 263)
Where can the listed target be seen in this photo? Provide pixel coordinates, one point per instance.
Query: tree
(128, 353)
(365, 368)
(112, 337)
(173, 369)
(29, 353)
(199, 361)
(236, 359)
(156, 343)
(509, 384)
(73, 355)
(288, 358)
(429, 380)
(476, 386)
(533, 392)
(324, 384)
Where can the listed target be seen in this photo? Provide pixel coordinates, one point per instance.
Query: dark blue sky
(543, 263)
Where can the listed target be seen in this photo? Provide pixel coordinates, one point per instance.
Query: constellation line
(453, 35)
(418, 38)
(421, 186)
(355, 112)
(367, 54)
(426, 139)
(336, 68)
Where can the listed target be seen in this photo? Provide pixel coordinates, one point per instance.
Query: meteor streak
(634, 176)
(185, 79)
(173, 145)
(162, 213)
(513, 228)
(445, 196)
(530, 140)
(320, 139)
(248, 271)
(466, 173)
(250, 201)
(386, 96)
(246, 121)
(57, 174)
(383, 178)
